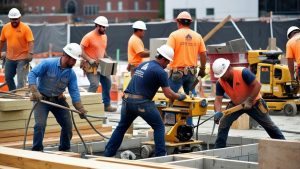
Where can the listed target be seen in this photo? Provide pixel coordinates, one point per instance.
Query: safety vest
(240, 90)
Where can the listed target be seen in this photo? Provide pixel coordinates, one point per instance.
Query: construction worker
(48, 80)
(187, 45)
(137, 101)
(136, 50)
(241, 85)
(19, 43)
(93, 45)
(293, 50)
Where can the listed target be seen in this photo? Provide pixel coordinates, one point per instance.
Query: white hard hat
(14, 13)
(166, 51)
(73, 50)
(184, 15)
(220, 66)
(291, 29)
(101, 20)
(139, 25)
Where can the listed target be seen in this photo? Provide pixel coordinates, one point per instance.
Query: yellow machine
(278, 88)
(179, 134)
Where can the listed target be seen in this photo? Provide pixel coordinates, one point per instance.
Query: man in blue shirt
(137, 101)
(48, 80)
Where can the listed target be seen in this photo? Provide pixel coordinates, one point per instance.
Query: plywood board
(279, 154)
(38, 160)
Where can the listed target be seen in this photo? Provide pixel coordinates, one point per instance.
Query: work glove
(181, 97)
(248, 103)
(217, 117)
(78, 106)
(201, 72)
(35, 94)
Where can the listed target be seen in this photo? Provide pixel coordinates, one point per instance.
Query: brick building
(87, 10)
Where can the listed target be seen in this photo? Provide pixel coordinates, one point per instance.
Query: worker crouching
(241, 85)
(48, 80)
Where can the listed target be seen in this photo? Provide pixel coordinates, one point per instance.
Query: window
(53, 8)
(136, 5)
(120, 6)
(108, 6)
(42, 8)
(210, 11)
(148, 5)
(91, 10)
(29, 9)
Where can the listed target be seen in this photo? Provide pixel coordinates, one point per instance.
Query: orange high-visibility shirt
(240, 90)
(187, 44)
(94, 44)
(135, 46)
(293, 48)
(17, 40)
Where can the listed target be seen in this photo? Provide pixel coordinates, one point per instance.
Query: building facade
(212, 9)
(87, 10)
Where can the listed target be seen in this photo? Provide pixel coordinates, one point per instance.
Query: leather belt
(132, 96)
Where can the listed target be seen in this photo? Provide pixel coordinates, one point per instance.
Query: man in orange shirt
(136, 50)
(187, 45)
(19, 40)
(93, 46)
(293, 49)
(241, 85)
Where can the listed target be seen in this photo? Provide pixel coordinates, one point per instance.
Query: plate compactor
(278, 89)
(179, 133)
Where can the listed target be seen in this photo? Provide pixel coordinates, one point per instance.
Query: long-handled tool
(225, 113)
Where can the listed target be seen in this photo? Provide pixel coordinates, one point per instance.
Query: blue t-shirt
(148, 77)
(52, 80)
(247, 75)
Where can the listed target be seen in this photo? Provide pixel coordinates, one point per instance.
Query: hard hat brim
(227, 63)
(164, 54)
(14, 17)
(71, 55)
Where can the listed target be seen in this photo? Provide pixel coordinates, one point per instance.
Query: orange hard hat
(184, 15)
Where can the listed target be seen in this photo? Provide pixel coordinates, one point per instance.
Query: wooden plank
(38, 160)
(55, 140)
(26, 104)
(279, 154)
(6, 167)
(20, 124)
(20, 132)
(54, 134)
(14, 104)
(93, 109)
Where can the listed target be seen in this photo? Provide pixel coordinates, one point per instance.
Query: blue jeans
(186, 82)
(262, 118)
(11, 69)
(105, 83)
(62, 117)
(131, 109)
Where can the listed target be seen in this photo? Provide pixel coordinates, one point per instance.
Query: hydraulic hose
(59, 106)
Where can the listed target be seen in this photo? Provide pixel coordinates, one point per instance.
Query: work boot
(109, 108)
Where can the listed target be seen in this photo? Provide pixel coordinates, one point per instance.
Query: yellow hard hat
(184, 15)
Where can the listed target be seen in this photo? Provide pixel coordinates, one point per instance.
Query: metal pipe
(238, 30)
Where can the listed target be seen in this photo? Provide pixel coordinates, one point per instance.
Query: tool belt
(176, 73)
(132, 96)
(87, 68)
(262, 106)
(54, 98)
